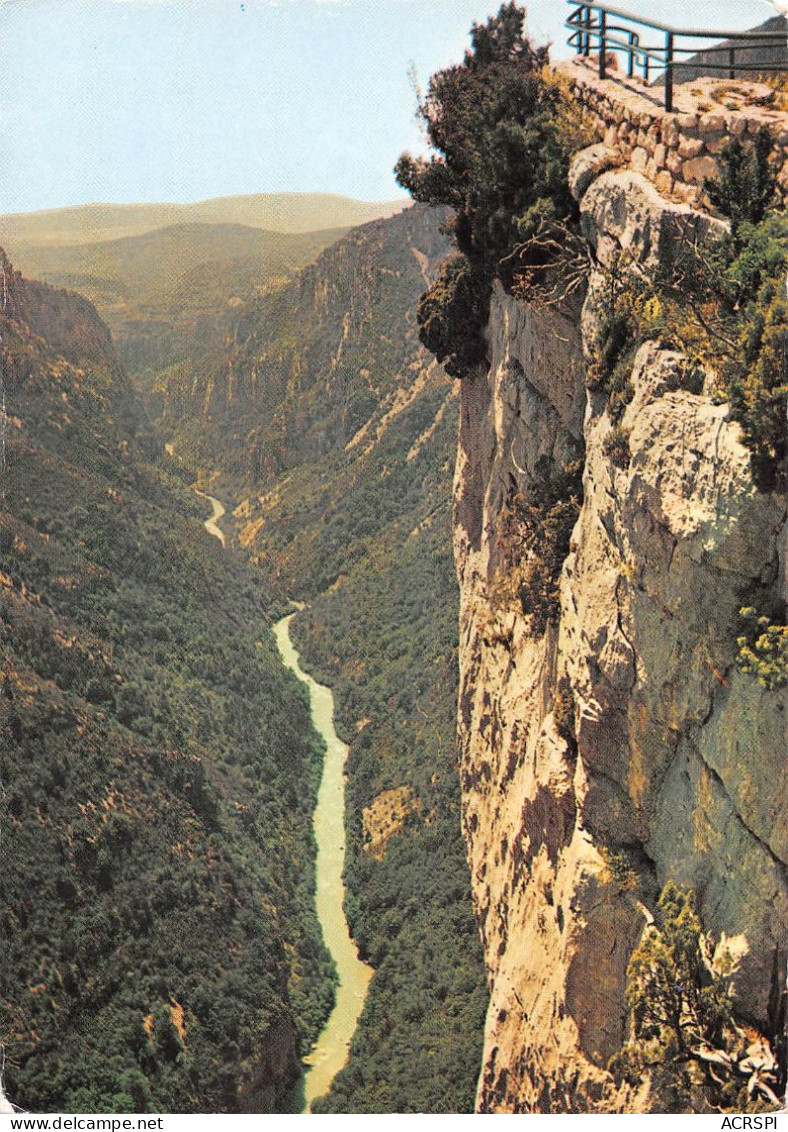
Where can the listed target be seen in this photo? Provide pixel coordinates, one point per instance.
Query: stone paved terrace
(677, 151)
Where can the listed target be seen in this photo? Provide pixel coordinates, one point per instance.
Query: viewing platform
(669, 130)
(666, 54)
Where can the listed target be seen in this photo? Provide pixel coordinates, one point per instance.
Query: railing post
(732, 63)
(582, 23)
(669, 71)
(602, 43)
(633, 38)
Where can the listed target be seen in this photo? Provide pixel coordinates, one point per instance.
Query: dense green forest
(161, 951)
(323, 415)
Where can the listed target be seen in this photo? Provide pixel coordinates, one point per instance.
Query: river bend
(212, 525)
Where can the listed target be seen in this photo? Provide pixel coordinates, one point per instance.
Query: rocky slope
(620, 746)
(309, 364)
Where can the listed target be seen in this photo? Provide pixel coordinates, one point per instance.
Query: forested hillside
(171, 294)
(158, 773)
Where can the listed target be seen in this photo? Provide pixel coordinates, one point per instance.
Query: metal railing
(601, 29)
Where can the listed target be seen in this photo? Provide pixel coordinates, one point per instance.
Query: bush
(763, 649)
(616, 446)
(724, 302)
(632, 312)
(757, 382)
(752, 284)
(685, 1041)
(452, 315)
(564, 713)
(534, 540)
(745, 188)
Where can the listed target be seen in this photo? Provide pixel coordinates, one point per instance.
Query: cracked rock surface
(677, 765)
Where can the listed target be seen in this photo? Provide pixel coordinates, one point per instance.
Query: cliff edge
(616, 745)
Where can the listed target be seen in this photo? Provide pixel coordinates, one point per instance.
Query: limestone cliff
(623, 732)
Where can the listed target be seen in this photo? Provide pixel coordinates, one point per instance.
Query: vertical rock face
(68, 322)
(621, 747)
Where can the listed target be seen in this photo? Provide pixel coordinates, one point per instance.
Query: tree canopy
(502, 130)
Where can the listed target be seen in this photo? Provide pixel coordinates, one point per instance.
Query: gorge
(519, 450)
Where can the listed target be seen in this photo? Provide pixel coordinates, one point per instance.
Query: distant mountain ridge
(279, 212)
(153, 289)
(162, 275)
(308, 364)
(767, 55)
(158, 262)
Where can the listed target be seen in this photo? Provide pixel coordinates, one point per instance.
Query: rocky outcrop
(679, 150)
(68, 323)
(621, 747)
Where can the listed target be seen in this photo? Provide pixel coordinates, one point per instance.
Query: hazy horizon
(182, 101)
(403, 198)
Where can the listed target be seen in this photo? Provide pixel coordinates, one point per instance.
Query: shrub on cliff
(503, 129)
(757, 375)
(451, 316)
(533, 542)
(747, 283)
(763, 649)
(685, 1040)
(745, 188)
(630, 313)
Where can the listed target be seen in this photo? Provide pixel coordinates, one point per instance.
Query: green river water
(331, 1050)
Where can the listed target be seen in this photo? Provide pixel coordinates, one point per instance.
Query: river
(331, 1050)
(212, 525)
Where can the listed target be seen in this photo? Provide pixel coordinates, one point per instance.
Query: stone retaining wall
(678, 151)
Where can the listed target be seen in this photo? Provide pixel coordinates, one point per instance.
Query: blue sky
(147, 100)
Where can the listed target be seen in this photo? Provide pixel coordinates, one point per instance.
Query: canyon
(608, 739)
